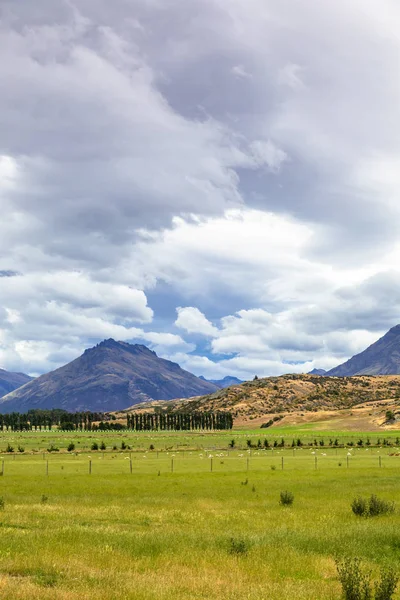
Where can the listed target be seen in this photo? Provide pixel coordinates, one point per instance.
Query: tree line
(167, 421)
(34, 420)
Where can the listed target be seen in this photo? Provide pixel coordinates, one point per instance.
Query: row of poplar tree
(179, 421)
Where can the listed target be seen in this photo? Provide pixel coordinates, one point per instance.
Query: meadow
(192, 518)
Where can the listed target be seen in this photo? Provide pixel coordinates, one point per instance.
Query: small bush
(238, 547)
(359, 506)
(9, 448)
(123, 446)
(386, 586)
(71, 447)
(103, 446)
(94, 446)
(379, 507)
(52, 448)
(273, 467)
(232, 444)
(151, 447)
(43, 499)
(115, 447)
(371, 508)
(21, 449)
(286, 498)
(355, 583)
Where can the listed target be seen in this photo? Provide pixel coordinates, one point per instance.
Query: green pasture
(164, 441)
(188, 523)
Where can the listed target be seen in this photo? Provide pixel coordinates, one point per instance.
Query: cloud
(251, 180)
(193, 321)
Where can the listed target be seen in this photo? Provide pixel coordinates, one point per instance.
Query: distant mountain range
(11, 381)
(116, 375)
(317, 372)
(111, 376)
(223, 383)
(381, 358)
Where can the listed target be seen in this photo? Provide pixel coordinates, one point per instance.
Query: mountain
(111, 376)
(317, 372)
(381, 358)
(223, 383)
(11, 381)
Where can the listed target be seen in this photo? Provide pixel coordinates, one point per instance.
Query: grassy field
(188, 523)
(40, 441)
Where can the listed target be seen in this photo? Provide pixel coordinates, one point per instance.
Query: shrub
(52, 448)
(273, 468)
(359, 506)
(9, 448)
(378, 506)
(286, 498)
(232, 444)
(123, 446)
(238, 547)
(94, 446)
(151, 447)
(21, 449)
(71, 447)
(371, 508)
(386, 586)
(356, 584)
(103, 446)
(390, 416)
(43, 499)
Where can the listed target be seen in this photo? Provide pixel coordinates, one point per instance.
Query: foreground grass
(113, 535)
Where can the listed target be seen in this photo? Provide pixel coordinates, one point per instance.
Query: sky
(216, 179)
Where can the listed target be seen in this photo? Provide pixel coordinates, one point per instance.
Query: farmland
(192, 518)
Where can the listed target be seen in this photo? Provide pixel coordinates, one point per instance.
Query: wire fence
(211, 461)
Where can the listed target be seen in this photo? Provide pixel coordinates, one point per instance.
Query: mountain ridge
(10, 381)
(380, 358)
(110, 376)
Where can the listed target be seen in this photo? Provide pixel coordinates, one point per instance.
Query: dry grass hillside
(300, 398)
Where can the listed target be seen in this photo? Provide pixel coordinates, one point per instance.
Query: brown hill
(110, 376)
(262, 399)
(11, 381)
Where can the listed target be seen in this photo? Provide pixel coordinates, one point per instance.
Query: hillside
(262, 399)
(110, 376)
(381, 358)
(11, 381)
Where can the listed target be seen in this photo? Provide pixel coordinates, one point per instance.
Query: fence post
(47, 467)
(211, 465)
(90, 467)
(316, 462)
(172, 465)
(347, 459)
(380, 460)
(130, 465)
(247, 464)
(282, 463)
(2, 467)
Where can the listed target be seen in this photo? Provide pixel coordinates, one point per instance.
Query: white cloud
(252, 180)
(193, 321)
